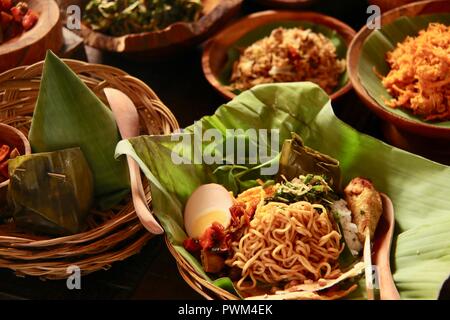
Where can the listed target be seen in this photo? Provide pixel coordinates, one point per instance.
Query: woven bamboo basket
(206, 289)
(110, 236)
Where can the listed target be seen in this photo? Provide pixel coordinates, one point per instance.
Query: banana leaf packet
(297, 159)
(68, 114)
(51, 193)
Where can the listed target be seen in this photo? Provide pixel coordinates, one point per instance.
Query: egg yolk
(205, 220)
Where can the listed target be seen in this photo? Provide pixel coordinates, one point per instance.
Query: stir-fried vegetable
(120, 17)
(311, 188)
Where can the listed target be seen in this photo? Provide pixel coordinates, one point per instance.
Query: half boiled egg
(209, 203)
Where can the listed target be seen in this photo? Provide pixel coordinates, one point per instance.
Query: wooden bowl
(286, 4)
(32, 45)
(400, 131)
(176, 37)
(15, 139)
(215, 55)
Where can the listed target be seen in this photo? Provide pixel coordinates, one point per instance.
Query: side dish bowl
(366, 57)
(221, 51)
(175, 37)
(31, 45)
(15, 139)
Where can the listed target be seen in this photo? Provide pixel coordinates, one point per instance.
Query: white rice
(340, 210)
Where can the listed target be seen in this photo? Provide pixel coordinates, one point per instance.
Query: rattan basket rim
(205, 288)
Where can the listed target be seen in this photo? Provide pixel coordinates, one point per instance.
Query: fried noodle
(289, 244)
(289, 55)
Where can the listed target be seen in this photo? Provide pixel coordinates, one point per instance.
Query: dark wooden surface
(179, 82)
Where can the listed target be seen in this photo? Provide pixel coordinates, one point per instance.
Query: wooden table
(180, 84)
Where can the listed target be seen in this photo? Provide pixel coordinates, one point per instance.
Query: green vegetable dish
(121, 17)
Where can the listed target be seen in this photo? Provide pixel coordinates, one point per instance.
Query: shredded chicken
(289, 55)
(419, 78)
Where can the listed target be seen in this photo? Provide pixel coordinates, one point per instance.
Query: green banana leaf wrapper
(417, 187)
(297, 159)
(51, 193)
(373, 55)
(68, 114)
(264, 31)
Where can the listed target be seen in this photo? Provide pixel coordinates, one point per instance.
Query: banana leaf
(68, 114)
(418, 187)
(235, 50)
(373, 55)
(51, 192)
(297, 159)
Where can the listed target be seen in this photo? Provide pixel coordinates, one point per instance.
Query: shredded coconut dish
(289, 55)
(419, 79)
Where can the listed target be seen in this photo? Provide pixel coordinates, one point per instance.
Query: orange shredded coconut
(419, 79)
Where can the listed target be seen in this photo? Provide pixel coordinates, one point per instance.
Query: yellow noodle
(283, 243)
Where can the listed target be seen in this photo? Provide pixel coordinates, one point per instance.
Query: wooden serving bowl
(176, 37)
(415, 136)
(215, 54)
(15, 139)
(32, 45)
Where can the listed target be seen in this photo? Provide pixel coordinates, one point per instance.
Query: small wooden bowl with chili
(12, 143)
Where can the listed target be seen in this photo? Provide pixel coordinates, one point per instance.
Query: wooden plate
(31, 46)
(175, 37)
(397, 126)
(215, 55)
